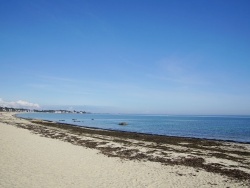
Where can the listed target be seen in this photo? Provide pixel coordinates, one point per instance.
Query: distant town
(7, 109)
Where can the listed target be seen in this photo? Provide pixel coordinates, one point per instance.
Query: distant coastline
(10, 109)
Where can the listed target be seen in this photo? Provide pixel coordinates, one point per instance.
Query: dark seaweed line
(132, 132)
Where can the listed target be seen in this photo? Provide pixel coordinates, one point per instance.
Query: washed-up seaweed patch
(165, 150)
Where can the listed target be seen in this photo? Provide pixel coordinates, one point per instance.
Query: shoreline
(131, 132)
(228, 160)
(148, 134)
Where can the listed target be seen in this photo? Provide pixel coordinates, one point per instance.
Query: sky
(126, 56)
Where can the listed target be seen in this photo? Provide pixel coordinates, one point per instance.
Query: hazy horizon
(101, 109)
(149, 57)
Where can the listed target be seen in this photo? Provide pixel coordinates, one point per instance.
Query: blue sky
(140, 56)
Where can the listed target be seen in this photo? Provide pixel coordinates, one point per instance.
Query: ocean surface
(233, 128)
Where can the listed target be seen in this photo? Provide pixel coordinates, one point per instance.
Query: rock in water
(123, 123)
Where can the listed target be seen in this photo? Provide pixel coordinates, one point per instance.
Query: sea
(227, 128)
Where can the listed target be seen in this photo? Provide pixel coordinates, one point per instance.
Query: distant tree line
(7, 109)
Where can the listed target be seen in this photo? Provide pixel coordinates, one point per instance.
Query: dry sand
(29, 160)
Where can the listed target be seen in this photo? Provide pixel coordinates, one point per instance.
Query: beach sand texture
(29, 160)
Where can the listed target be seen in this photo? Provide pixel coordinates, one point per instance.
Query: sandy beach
(46, 154)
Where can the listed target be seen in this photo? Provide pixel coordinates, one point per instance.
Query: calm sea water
(234, 128)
